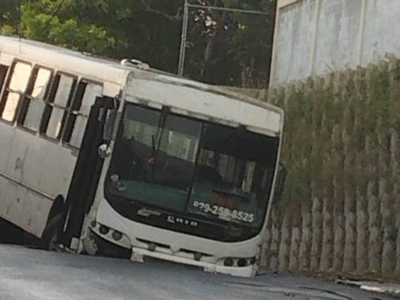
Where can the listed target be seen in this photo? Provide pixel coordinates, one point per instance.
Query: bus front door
(86, 173)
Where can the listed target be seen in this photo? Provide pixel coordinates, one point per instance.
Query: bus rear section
(47, 96)
(189, 176)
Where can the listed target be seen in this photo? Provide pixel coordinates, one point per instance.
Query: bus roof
(65, 60)
(102, 69)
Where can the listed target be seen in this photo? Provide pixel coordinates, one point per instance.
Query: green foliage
(238, 46)
(341, 133)
(71, 33)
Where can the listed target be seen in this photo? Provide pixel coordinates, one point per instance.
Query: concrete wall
(339, 214)
(315, 37)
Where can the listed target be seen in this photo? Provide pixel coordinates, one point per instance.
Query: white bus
(114, 158)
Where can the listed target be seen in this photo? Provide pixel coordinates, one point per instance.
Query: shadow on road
(12, 235)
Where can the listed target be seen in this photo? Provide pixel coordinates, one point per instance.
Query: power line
(20, 24)
(53, 15)
(19, 19)
(254, 12)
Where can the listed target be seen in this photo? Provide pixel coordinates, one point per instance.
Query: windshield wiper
(160, 132)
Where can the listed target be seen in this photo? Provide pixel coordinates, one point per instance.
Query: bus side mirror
(109, 124)
(280, 182)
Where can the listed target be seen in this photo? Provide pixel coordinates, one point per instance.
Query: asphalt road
(29, 274)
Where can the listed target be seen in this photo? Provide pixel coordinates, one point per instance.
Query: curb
(382, 288)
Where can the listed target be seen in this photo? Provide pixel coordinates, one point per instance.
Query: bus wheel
(50, 234)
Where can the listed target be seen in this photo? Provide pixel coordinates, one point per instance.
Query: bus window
(3, 74)
(86, 96)
(58, 105)
(34, 102)
(16, 88)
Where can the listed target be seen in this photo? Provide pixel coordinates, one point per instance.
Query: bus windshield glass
(203, 169)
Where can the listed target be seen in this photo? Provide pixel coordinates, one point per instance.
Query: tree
(9, 17)
(222, 46)
(113, 28)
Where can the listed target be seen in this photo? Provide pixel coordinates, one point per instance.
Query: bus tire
(50, 233)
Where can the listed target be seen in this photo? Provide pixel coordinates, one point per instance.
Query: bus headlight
(104, 229)
(228, 262)
(116, 235)
(242, 262)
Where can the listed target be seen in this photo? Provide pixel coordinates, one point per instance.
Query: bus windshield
(176, 163)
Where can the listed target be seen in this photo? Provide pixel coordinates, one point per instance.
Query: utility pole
(182, 52)
(185, 22)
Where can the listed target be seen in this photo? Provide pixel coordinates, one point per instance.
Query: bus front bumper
(138, 255)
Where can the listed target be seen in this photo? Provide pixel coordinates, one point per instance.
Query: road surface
(29, 274)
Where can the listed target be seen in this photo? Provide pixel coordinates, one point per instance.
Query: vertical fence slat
(295, 242)
(306, 238)
(360, 173)
(327, 229)
(275, 241)
(316, 213)
(349, 253)
(284, 247)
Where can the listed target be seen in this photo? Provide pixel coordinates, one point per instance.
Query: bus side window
(85, 98)
(57, 106)
(34, 101)
(3, 74)
(15, 90)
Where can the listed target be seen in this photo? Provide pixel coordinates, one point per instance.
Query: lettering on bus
(144, 212)
(182, 221)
